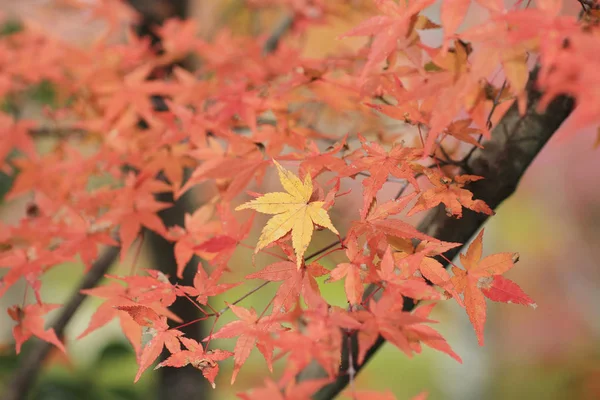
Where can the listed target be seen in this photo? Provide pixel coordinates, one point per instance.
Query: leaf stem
(324, 249)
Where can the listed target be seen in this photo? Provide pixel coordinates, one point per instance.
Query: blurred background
(553, 221)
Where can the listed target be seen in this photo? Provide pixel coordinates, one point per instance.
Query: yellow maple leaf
(293, 211)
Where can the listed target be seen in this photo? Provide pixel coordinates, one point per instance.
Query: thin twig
(324, 249)
(488, 124)
(256, 289)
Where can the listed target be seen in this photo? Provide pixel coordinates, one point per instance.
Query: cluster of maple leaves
(227, 122)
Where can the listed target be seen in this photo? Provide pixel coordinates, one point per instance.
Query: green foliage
(10, 27)
(44, 93)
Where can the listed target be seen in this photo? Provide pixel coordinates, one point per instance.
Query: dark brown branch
(516, 141)
(282, 28)
(32, 361)
(184, 382)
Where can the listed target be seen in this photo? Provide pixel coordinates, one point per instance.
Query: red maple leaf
(388, 28)
(352, 271)
(408, 286)
(205, 286)
(404, 330)
(205, 361)
(251, 331)
(162, 336)
(28, 263)
(30, 323)
(135, 207)
(120, 297)
(377, 226)
(232, 232)
(380, 164)
(197, 228)
(295, 282)
(479, 280)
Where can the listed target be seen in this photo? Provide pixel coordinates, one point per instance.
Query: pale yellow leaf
(293, 212)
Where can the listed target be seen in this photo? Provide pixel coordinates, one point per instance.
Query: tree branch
(275, 38)
(31, 362)
(515, 142)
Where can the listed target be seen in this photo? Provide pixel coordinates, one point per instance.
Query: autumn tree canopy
(391, 151)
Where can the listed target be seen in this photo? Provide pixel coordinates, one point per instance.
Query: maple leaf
(162, 336)
(352, 271)
(479, 279)
(150, 290)
(381, 164)
(450, 192)
(232, 232)
(396, 24)
(171, 159)
(402, 329)
(462, 131)
(411, 258)
(377, 225)
(295, 282)
(251, 330)
(142, 315)
(205, 286)
(30, 323)
(453, 12)
(84, 236)
(197, 227)
(205, 361)
(135, 208)
(427, 335)
(506, 291)
(314, 161)
(116, 295)
(28, 263)
(293, 212)
(412, 287)
(320, 338)
(233, 173)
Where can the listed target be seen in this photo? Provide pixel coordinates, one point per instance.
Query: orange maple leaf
(30, 323)
(204, 360)
(396, 24)
(251, 331)
(295, 282)
(450, 192)
(481, 277)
